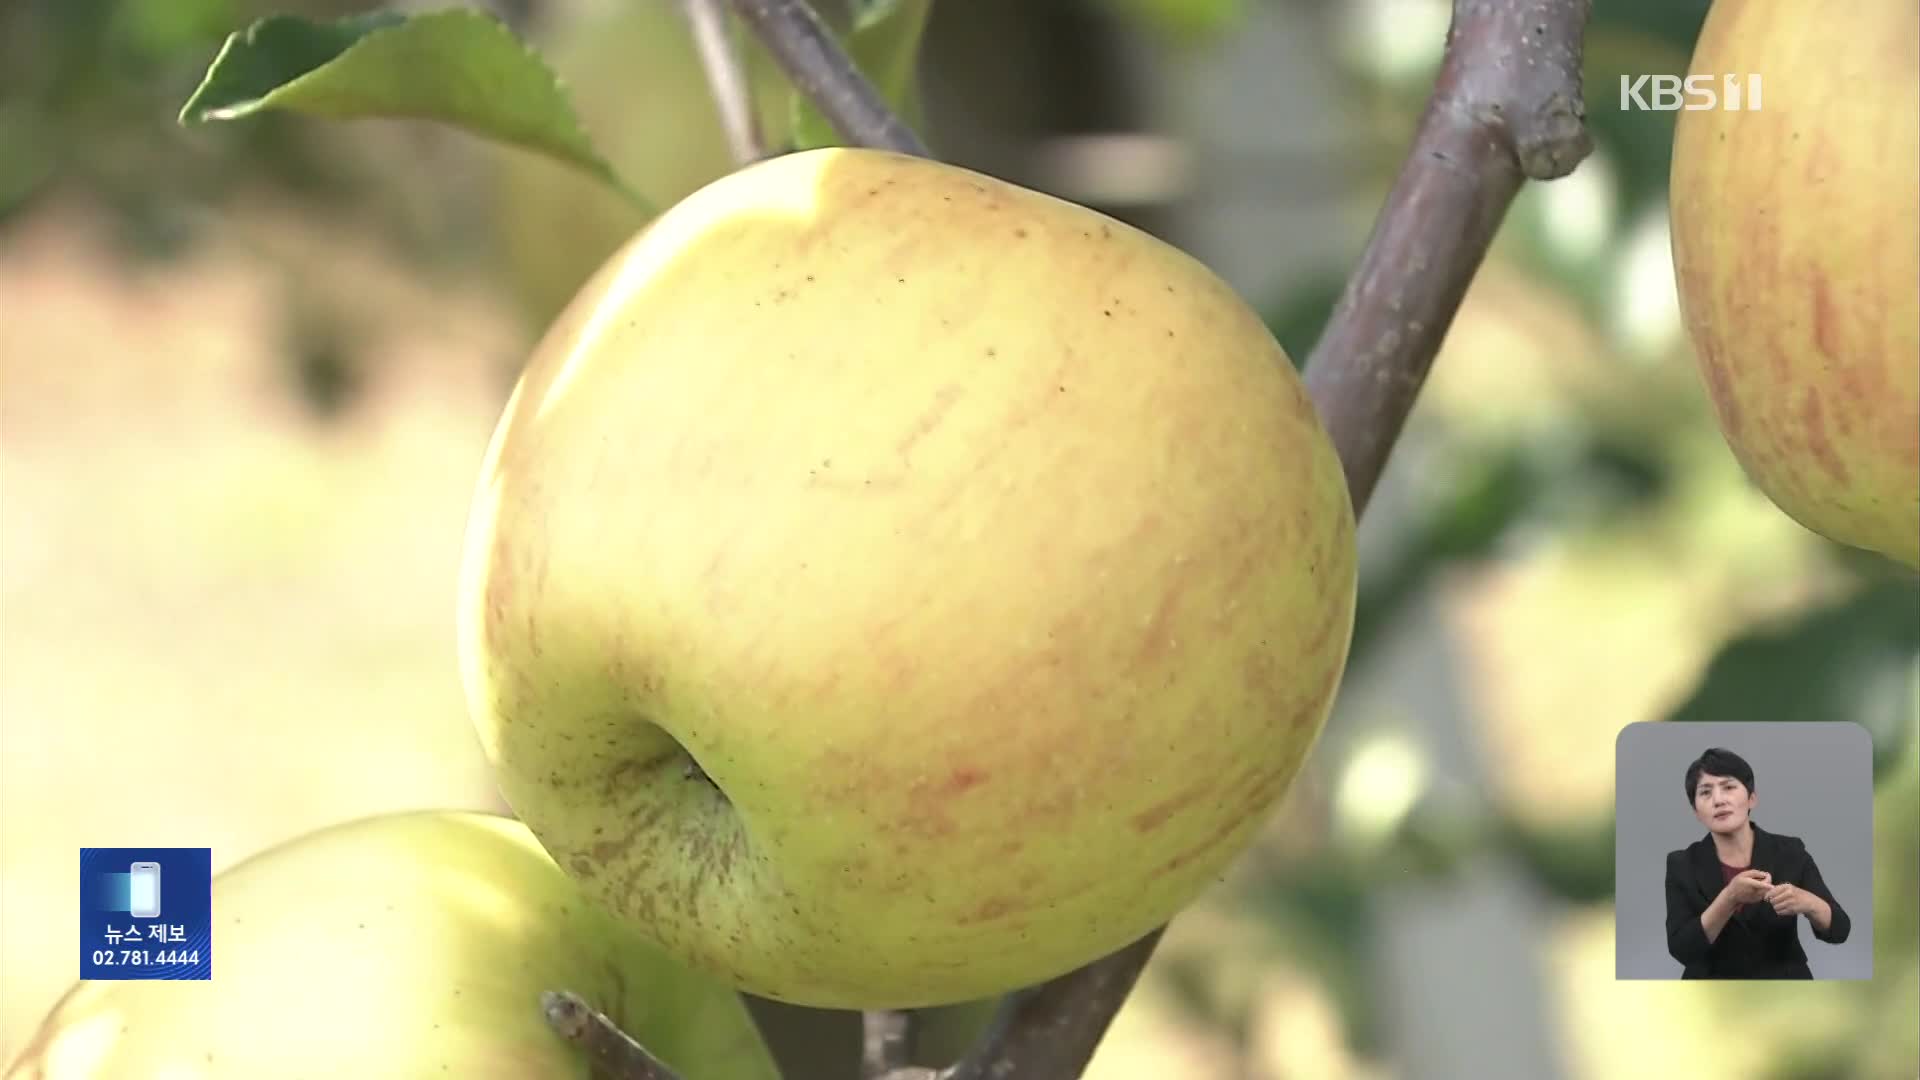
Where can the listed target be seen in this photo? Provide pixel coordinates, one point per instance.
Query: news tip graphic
(146, 913)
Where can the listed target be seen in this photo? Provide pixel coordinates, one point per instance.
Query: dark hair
(1720, 762)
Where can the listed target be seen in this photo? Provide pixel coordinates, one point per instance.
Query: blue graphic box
(146, 913)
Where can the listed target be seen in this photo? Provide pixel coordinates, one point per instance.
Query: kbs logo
(1668, 93)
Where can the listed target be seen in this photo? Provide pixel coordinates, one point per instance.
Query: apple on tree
(399, 946)
(1796, 244)
(888, 586)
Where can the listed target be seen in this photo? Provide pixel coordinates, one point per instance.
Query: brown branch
(1052, 1030)
(818, 67)
(726, 78)
(613, 1053)
(1507, 106)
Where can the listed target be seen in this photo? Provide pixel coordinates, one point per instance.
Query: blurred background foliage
(249, 370)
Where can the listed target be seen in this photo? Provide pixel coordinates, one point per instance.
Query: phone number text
(144, 957)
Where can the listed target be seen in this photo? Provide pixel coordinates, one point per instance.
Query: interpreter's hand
(1792, 900)
(1749, 886)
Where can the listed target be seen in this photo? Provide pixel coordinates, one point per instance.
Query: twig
(726, 77)
(611, 1051)
(1507, 105)
(1052, 1030)
(887, 1045)
(813, 60)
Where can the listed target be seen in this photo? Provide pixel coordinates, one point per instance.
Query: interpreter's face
(1721, 803)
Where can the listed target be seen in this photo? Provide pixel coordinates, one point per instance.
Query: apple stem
(812, 58)
(613, 1053)
(727, 77)
(1507, 106)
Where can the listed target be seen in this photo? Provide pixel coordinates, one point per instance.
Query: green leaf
(458, 66)
(885, 45)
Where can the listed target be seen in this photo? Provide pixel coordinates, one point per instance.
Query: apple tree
(782, 82)
(1508, 107)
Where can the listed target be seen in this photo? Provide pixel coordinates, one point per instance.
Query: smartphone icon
(145, 890)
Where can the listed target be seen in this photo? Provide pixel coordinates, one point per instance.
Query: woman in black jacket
(1734, 897)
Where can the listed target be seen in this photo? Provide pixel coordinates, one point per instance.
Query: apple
(403, 945)
(888, 586)
(1796, 245)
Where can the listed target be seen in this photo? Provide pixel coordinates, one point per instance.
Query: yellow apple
(888, 586)
(1796, 242)
(400, 946)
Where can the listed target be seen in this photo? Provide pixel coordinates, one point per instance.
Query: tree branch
(811, 56)
(1507, 106)
(726, 77)
(1052, 1030)
(613, 1053)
